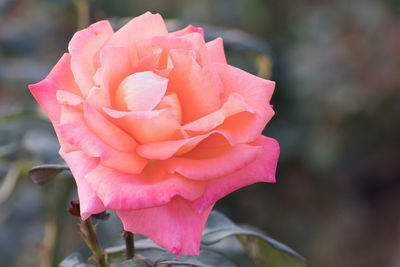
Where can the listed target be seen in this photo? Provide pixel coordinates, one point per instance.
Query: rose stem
(89, 235)
(130, 246)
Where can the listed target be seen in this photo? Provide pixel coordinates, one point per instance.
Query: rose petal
(193, 42)
(172, 102)
(84, 48)
(260, 170)
(80, 164)
(166, 149)
(152, 187)
(45, 93)
(79, 135)
(235, 104)
(147, 126)
(139, 28)
(141, 91)
(60, 78)
(108, 132)
(188, 29)
(226, 161)
(70, 99)
(198, 88)
(257, 92)
(115, 66)
(215, 50)
(197, 40)
(175, 226)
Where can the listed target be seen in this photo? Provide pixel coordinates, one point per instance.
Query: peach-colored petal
(99, 97)
(260, 170)
(115, 66)
(147, 126)
(235, 104)
(79, 135)
(198, 88)
(166, 149)
(71, 114)
(188, 29)
(84, 49)
(139, 28)
(215, 50)
(257, 92)
(226, 161)
(80, 164)
(175, 226)
(197, 40)
(172, 102)
(106, 131)
(152, 187)
(141, 91)
(67, 98)
(188, 42)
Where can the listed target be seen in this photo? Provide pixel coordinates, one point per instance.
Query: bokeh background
(337, 103)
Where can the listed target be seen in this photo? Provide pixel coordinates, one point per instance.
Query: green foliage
(217, 249)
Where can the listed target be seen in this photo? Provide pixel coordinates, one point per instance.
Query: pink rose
(157, 126)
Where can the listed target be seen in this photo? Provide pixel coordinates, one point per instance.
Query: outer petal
(257, 92)
(79, 135)
(45, 93)
(215, 50)
(261, 170)
(198, 88)
(227, 160)
(60, 78)
(80, 164)
(175, 226)
(153, 187)
(84, 48)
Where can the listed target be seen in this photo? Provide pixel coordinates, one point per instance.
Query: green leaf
(43, 173)
(74, 260)
(144, 246)
(261, 248)
(207, 258)
(138, 262)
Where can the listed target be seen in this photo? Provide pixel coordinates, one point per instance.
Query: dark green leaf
(145, 246)
(261, 248)
(134, 263)
(206, 258)
(43, 173)
(74, 260)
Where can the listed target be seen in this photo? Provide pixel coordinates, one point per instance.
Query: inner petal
(140, 91)
(171, 101)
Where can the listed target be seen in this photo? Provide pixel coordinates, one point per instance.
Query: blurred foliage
(223, 244)
(337, 103)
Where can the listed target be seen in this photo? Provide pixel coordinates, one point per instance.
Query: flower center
(141, 91)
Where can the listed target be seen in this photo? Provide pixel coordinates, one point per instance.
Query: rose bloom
(157, 126)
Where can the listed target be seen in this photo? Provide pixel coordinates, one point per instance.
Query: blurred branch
(55, 198)
(83, 13)
(7, 187)
(9, 182)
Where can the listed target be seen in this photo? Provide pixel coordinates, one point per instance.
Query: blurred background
(337, 103)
